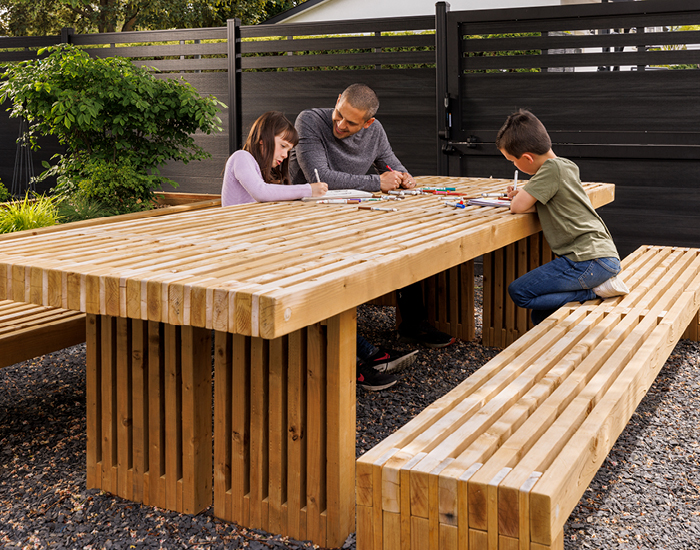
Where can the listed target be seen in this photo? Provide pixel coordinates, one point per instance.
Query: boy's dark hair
(523, 133)
(265, 128)
(362, 97)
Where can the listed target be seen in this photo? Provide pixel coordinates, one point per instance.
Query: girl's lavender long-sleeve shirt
(243, 183)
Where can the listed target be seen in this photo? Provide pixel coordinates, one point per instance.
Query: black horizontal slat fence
(294, 67)
(288, 68)
(615, 85)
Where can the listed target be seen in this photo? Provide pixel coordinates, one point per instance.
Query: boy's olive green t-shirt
(570, 224)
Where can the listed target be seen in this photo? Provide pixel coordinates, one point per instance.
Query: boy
(587, 261)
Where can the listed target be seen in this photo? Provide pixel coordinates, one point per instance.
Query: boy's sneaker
(611, 288)
(390, 361)
(373, 380)
(427, 335)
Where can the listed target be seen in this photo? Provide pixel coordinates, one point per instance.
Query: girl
(260, 171)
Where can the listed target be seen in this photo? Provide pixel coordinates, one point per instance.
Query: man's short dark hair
(362, 97)
(523, 133)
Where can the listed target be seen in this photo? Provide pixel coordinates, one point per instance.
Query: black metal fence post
(67, 34)
(441, 95)
(235, 110)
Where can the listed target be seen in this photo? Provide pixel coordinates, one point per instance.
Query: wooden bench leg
(149, 412)
(693, 330)
(503, 322)
(284, 429)
(557, 543)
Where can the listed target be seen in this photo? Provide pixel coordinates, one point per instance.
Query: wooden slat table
(278, 284)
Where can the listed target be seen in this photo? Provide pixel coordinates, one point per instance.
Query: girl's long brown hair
(261, 144)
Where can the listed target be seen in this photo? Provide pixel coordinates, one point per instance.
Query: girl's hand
(318, 189)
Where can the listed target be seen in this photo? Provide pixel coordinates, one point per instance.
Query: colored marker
(317, 178)
(379, 208)
(455, 204)
(439, 188)
(499, 195)
(515, 181)
(338, 201)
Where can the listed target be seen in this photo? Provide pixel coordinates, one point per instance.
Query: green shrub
(4, 193)
(108, 112)
(119, 188)
(28, 214)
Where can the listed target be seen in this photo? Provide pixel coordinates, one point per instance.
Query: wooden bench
(29, 330)
(502, 460)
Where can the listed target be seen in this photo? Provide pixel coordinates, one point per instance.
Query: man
(343, 144)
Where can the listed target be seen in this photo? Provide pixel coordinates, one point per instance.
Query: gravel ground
(646, 494)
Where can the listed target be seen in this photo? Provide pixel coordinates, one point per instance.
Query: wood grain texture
(254, 269)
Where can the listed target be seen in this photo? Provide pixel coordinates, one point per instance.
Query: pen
(462, 198)
(380, 208)
(500, 195)
(317, 178)
(402, 192)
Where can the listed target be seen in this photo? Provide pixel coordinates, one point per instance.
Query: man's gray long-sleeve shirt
(341, 163)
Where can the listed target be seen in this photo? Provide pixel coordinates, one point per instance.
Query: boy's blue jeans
(547, 288)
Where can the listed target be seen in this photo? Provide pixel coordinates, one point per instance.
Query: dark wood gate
(617, 86)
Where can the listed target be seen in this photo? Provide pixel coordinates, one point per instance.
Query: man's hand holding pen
(407, 181)
(391, 180)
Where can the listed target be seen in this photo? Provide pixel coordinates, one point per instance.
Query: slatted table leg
(503, 322)
(285, 431)
(149, 412)
(449, 299)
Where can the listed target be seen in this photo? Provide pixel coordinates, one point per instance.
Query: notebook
(489, 202)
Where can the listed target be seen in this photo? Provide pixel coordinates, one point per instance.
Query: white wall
(340, 10)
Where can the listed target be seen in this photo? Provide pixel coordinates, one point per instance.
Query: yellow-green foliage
(27, 214)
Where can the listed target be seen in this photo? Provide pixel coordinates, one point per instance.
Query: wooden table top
(261, 269)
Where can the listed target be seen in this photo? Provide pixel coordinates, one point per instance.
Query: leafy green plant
(4, 193)
(28, 214)
(107, 111)
(119, 188)
(79, 207)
